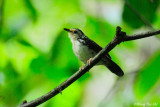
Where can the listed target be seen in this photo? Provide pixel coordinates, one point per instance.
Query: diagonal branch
(119, 37)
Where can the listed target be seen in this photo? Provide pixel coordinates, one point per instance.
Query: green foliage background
(36, 54)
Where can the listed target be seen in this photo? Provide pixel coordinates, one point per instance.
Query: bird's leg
(80, 68)
(89, 61)
(60, 91)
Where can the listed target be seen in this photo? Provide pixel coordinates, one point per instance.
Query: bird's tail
(114, 68)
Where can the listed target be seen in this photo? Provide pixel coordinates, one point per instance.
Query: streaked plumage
(84, 48)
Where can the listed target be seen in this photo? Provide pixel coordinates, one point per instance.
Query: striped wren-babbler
(84, 48)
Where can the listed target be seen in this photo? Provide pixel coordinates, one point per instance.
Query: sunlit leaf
(3, 57)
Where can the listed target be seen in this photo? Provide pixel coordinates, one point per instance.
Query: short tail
(114, 68)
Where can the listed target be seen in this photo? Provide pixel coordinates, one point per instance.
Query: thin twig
(145, 21)
(140, 36)
(119, 37)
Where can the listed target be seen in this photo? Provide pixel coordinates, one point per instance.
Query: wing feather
(94, 46)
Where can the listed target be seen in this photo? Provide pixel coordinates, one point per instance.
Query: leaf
(31, 9)
(62, 54)
(23, 42)
(147, 77)
(38, 64)
(99, 30)
(3, 57)
(147, 11)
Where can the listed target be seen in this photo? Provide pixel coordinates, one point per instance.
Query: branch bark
(144, 20)
(119, 37)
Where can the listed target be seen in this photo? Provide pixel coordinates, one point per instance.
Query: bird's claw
(80, 68)
(60, 91)
(89, 61)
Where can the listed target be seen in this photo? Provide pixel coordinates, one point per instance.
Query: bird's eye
(75, 32)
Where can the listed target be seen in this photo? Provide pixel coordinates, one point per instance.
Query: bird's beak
(68, 30)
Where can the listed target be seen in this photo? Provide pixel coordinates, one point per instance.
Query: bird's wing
(112, 66)
(94, 46)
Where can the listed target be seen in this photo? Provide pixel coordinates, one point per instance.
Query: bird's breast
(82, 51)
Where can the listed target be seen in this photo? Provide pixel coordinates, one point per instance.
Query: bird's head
(75, 33)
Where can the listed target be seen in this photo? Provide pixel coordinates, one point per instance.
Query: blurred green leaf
(10, 73)
(3, 57)
(14, 19)
(1, 14)
(62, 53)
(36, 57)
(31, 9)
(13, 30)
(71, 96)
(12, 86)
(147, 77)
(147, 12)
(38, 64)
(99, 30)
(23, 42)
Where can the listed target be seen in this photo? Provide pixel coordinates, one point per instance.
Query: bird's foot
(60, 91)
(89, 61)
(80, 68)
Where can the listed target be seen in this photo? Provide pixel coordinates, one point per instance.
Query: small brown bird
(84, 49)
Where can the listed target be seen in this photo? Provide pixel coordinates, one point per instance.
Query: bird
(85, 49)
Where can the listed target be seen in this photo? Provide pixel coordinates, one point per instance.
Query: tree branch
(145, 21)
(119, 37)
(140, 36)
